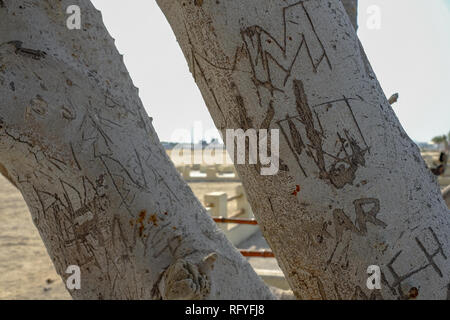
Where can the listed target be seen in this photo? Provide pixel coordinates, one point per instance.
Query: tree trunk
(76, 140)
(352, 190)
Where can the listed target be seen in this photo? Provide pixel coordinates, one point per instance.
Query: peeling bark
(353, 189)
(77, 142)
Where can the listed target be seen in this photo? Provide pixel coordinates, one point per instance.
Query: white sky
(410, 54)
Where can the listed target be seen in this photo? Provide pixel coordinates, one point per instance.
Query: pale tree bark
(77, 142)
(352, 190)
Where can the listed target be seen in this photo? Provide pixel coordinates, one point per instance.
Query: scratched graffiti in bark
(430, 255)
(300, 43)
(84, 217)
(269, 56)
(274, 73)
(366, 211)
(337, 151)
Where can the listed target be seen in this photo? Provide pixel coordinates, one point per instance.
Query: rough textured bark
(366, 196)
(77, 142)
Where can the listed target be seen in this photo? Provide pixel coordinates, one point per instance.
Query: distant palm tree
(444, 139)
